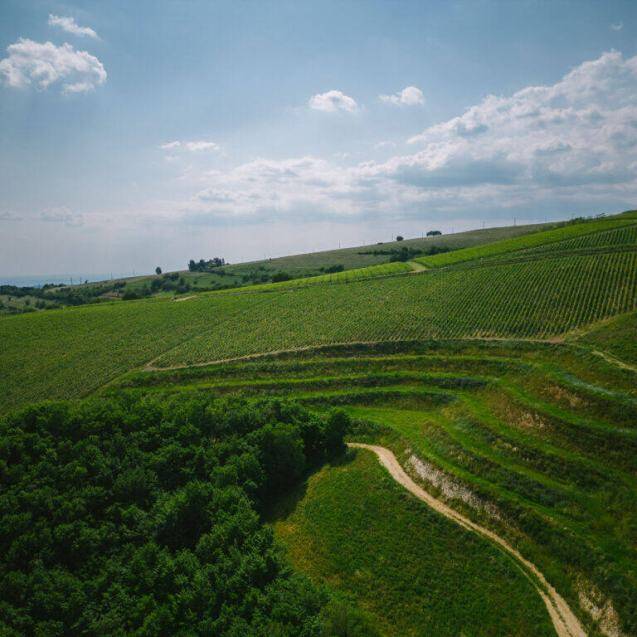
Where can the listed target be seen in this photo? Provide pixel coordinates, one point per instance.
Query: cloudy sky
(141, 133)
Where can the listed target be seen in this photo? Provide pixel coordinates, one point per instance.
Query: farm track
(151, 367)
(613, 360)
(564, 620)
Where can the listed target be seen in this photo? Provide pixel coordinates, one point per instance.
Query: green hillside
(362, 256)
(67, 353)
(537, 441)
(502, 377)
(527, 241)
(427, 588)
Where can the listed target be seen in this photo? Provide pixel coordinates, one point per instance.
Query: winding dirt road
(564, 620)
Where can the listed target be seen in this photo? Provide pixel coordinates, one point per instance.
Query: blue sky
(145, 133)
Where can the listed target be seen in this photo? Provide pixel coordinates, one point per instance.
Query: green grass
(410, 569)
(525, 242)
(346, 276)
(617, 336)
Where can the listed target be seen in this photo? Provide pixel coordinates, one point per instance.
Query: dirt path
(564, 620)
(151, 367)
(613, 360)
(416, 267)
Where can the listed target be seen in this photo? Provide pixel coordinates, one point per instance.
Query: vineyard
(67, 353)
(544, 239)
(537, 441)
(537, 299)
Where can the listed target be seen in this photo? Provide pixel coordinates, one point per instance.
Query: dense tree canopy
(141, 516)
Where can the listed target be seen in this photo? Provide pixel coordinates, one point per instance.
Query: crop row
(525, 241)
(535, 299)
(65, 353)
(617, 237)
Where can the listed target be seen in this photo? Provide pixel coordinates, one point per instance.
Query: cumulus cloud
(201, 145)
(44, 64)
(569, 145)
(192, 146)
(582, 129)
(333, 101)
(71, 26)
(409, 96)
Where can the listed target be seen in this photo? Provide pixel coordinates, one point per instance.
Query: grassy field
(346, 276)
(411, 570)
(616, 336)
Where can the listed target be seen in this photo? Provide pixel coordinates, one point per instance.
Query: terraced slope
(535, 441)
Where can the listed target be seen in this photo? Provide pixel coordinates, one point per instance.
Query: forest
(144, 517)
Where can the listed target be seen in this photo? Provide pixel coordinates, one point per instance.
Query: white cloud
(201, 145)
(617, 26)
(409, 96)
(44, 64)
(333, 101)
(192, 146)
(170, 145)
(71, 26)
(567, 146)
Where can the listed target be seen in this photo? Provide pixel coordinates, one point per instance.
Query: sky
(137, 134)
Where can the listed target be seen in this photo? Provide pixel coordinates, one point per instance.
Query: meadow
(351, 526)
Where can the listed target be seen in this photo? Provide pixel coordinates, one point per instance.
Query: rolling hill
(500, 374)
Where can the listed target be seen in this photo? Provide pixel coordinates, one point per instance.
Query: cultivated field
(70, 352)
(502, 378)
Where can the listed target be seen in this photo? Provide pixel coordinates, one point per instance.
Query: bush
(277, 277)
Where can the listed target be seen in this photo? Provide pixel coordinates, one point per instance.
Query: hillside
(67, 353)
(501, 375)
(15, 300)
